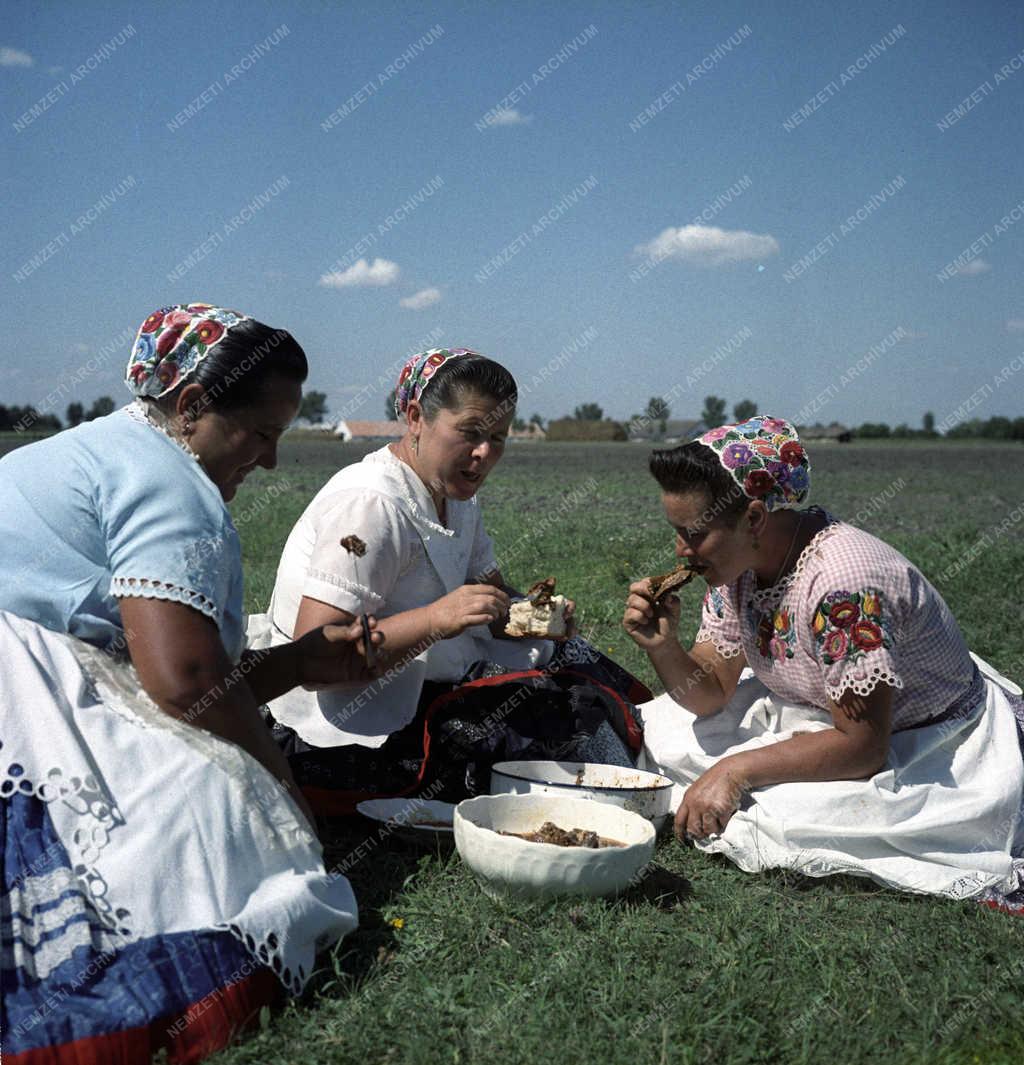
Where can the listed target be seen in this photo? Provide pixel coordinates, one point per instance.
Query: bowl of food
(639, 792)
(547, 845)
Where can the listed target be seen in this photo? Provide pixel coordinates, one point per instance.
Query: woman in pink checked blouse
(868, 739)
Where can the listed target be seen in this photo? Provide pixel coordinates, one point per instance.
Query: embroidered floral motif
(848, 625)
(765, 458)
(776, 635)
(171, 342)
(714, 602)
(418, 371)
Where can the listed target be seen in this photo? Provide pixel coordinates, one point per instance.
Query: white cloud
(11, 57)
(974, 267)
(1015, 325)
(424, 298)
(54, 70)
(379, 272)
(709, 245)
(508, 116)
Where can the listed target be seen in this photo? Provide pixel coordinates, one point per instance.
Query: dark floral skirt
(580, 707)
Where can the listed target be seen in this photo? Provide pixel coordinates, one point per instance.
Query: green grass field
(737, 968)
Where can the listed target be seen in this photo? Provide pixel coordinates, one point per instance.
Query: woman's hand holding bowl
(469, 605)
(651, 624)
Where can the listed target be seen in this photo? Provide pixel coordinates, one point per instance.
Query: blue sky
(614, 191)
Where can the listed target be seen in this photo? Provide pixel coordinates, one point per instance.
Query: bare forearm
(272, 672)
(825, 755)
(411, 630)
(691, 683)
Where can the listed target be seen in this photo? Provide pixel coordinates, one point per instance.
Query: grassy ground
(730, 967)
(727, 967)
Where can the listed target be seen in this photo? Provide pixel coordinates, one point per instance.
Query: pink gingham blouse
(851, 614)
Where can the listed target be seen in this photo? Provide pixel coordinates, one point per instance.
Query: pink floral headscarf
(765, 458)
(417, 373)
(172, 342)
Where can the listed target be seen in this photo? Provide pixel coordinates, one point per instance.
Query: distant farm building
(349, 429)
(575, 429)
(533, 432)
(677, 430)
(834, 433)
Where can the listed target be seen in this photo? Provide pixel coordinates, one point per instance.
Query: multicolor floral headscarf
(418, 371)
(172, 342)
(765, 458)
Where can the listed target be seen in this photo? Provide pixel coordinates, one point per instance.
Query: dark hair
(693, 467)
(469, 374)
(239, 367)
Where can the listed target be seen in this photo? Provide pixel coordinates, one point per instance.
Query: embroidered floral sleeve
(853, 639)
(719, 623)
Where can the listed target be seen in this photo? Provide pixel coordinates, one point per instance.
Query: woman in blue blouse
(160, 871)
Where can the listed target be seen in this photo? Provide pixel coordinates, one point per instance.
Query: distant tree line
(995, 428)
(656, 414)
(29, 420)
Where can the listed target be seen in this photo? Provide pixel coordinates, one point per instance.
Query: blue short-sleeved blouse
(111, 508)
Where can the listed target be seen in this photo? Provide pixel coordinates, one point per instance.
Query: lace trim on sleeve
(359, 590)
(726, 650)
(863, 683)
(144, 588)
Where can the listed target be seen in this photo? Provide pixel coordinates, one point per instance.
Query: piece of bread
(541, 613)
(674, 579)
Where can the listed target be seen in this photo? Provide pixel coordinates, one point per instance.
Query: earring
(415, 445)
(186, 427)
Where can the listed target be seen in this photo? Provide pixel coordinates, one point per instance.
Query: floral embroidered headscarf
(765, 458)
(172, 342)
(418, 371)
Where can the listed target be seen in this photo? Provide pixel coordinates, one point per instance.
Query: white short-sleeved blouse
(411, 560)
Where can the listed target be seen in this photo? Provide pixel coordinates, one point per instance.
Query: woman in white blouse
(428, 575)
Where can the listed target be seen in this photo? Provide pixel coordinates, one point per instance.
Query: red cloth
(204, 1028)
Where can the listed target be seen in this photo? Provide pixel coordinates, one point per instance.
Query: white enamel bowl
(647, 794)
(508, 866)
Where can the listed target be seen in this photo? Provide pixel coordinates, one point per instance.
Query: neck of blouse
(404, 454)
(151, 414)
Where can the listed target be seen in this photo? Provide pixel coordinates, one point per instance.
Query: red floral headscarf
(172, 342)
(417, 374)
(765, 458)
